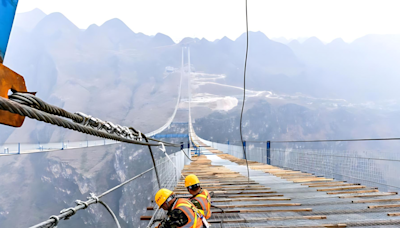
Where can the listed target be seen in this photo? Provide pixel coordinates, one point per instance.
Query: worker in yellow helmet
(181, 212)
(200, 197)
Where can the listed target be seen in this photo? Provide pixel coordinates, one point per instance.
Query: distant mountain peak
(255, 36)
(161, 40)
(225, 39)
(338, 41)
(28, 20)
(115, 23)
(56, 21)
(187, 40)
(37, 11)
(313, 41)
(295, 42)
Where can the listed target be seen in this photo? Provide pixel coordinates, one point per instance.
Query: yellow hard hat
(191, 180)
(162, 195)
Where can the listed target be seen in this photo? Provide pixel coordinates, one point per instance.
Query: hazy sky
(213, 19)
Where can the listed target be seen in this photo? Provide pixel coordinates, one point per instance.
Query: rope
(16, 108)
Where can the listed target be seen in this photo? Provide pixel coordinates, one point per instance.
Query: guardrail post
(19, 148)
(244, 149)
(268, 152)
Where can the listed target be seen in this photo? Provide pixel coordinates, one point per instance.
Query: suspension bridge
(255, 183)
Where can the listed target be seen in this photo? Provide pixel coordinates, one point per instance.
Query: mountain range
(304, 90)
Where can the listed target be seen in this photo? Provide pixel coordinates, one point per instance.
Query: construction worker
(181, 212)
(200, 197)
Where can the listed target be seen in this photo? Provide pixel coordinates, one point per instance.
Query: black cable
(223, 212)
(152, 157)
(244, 93)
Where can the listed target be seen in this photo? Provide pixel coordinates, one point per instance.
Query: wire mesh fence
(352, 166)
(374, 168)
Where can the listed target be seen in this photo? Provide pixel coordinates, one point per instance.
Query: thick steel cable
(37, 103)
(16, 108)
(244, 93)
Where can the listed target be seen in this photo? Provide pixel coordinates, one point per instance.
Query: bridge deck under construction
(277, 197)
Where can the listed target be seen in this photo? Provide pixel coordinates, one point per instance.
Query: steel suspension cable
(23, 110)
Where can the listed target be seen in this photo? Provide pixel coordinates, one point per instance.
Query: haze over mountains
(110, 64)
(298, 90)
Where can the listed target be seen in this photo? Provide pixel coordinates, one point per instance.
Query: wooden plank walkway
(277, 197)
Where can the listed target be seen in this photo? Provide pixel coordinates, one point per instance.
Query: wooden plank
(324, 183)
(351, 192)
(370, 195)
(330, 185)
(305, 226)
(248, 220)
(376, 200)
(260, 205)
(262, 210)
(231, 187)
(250, 199)
(248, 196)
(315, 179)
(384, 206)
(224, 184)
(145, 217)
(342, 188)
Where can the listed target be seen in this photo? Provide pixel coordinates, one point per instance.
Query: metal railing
(22, 148)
